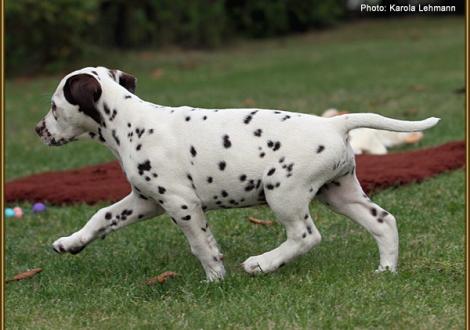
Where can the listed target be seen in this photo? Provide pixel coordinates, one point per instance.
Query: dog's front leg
(188, 215)
(125, 212)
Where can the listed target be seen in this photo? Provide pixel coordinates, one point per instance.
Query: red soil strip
(107, 182)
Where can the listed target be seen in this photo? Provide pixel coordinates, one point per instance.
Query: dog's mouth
(47, 137)
(60, 142)
(53, 142)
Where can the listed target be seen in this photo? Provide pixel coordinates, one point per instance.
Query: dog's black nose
(39, 127)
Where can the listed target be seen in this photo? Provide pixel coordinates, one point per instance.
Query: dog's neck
(118, 123)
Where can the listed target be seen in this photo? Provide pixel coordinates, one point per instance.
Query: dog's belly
(233, 191)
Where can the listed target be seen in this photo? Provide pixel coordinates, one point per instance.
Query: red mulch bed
(107, 182)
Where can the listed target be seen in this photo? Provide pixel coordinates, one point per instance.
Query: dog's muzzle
(41, 128)
(46, 136)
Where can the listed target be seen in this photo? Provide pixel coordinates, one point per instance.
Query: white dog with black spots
(185, 161)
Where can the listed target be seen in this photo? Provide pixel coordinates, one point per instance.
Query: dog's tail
(350, 121)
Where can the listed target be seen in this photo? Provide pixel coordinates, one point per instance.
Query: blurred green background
(48, 35)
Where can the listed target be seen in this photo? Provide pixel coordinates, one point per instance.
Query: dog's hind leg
(123, 213)
(290, 204)
(344, 195)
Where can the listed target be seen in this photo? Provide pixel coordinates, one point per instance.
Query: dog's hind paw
(387, 268)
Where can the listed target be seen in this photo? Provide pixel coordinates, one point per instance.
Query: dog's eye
(54, 110)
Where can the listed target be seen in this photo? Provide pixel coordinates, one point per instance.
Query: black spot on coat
(226, 141)
(139, 131)
(113, 132)
(193, 151)
(145, 166)
(106, 108)
(373, 211)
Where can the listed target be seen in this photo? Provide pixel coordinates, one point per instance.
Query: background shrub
(261, 18)
(43, 35)
(46, 33)
(153, 23)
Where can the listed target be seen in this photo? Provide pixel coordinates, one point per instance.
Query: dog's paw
(264, 263)
(68, 244)
(215, 274)
(252, 265)
(387, 268)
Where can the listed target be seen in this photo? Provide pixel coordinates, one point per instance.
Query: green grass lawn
(401, 68)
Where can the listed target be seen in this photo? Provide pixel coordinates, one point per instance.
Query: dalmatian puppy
(185, 161)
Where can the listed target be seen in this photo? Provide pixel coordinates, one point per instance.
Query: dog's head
(74, 109)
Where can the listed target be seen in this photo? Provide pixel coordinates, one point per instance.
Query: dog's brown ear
(84, 90)
(124, 79)
(127, 81)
